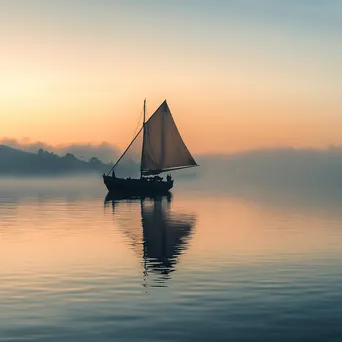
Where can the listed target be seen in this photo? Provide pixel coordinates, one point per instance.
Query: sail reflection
(157, 234)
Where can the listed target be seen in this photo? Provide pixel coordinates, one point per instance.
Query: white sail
(163, 147)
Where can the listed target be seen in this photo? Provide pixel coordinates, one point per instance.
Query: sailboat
(163, 150)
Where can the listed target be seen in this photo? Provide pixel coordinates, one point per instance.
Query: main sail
(163, 147)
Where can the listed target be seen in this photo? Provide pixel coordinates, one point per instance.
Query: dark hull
(137, 186)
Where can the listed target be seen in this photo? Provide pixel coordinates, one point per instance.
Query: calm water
(199, 266)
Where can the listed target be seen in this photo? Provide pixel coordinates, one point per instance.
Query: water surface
(199, 265)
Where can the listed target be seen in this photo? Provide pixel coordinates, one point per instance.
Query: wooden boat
(163, 150)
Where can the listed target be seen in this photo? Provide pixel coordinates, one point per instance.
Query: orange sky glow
(234, 78)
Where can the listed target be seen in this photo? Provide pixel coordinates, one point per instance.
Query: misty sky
(237, 74)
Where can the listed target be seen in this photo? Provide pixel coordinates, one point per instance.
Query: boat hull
(133, 186)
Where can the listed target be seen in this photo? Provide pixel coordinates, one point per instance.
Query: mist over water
(223, 258)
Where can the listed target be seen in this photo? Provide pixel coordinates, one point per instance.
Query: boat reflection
(157, 234)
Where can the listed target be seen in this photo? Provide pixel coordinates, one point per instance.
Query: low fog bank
(292, 178)
(284, 178)
(277, 168)
(286, 169)
(70, 188)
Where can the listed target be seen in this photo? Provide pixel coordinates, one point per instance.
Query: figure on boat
(163, 150)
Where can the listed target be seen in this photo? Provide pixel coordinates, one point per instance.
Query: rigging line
(135, 135)
(124, 152)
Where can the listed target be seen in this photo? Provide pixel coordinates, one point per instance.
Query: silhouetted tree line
(14, 161)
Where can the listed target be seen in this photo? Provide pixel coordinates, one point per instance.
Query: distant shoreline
(18, 163)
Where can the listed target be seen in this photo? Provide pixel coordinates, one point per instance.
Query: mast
(142, 149)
